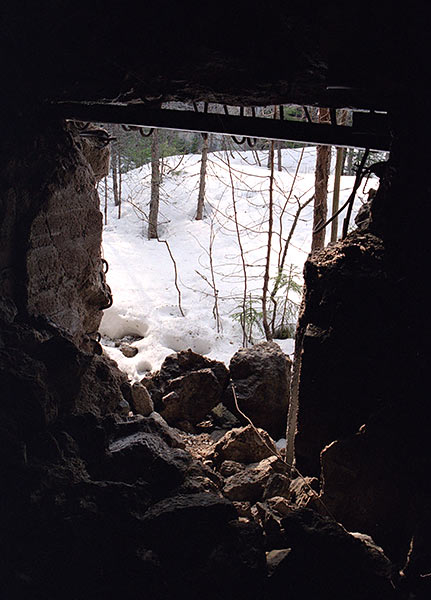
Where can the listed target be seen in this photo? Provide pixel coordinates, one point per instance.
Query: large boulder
(146, 456)
(327, 562)
(362, 492)
(203, 547)
(261, 378)
(186, 388)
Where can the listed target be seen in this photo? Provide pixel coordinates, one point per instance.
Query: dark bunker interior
(96, 505)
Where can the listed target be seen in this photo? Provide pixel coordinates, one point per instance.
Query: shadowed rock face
(51, 234)
(365, 349)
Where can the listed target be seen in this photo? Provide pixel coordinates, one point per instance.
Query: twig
(348, 201)
(244, 268)
(298, 164)
(176, 274)
(278, 456)
(359, 176)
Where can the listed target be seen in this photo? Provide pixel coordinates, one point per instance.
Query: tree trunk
(270, 157)
(201, 195)
(119, 183)
(279, 159)
(106, 201)
(336, 195)
(323, 163)
(155, 186)
(114, 169)
(349, 162)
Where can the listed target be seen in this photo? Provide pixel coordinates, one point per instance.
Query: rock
(237, 565)
(222, 417)
(95, 150)
(190, 523)
(328, 563)
(270, 521)
(244, 445)
(243, 509)
(261, 376)
(127, 350)
(278, 484)
(190, 398)
(118, 427)
(186, 388)
(274, 558)
(279, 505)
(8, 309)
(249, 484)
(336, 325)
(230, 467)
(303, 491)
(124, 408)
(146, 456)
(198, 484)
(366, 490)
(104, 388)
(64, 274)
(141, 400)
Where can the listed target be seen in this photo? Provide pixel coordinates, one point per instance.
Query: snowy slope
(141, 273)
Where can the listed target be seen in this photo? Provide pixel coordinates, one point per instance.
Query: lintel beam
(375, 138)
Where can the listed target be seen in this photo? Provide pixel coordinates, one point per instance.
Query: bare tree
(323, 163)
(114, 169)
(120, 183)
(241, 249)
(336, 194)
(341, 157)
(201, 195)
(105, 209)
(155, 186)
(266, 327)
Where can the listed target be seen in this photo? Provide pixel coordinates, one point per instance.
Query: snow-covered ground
(141, 271)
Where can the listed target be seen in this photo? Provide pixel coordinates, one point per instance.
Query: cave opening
(96, 504)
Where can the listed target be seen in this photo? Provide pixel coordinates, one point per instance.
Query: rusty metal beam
(372, 133)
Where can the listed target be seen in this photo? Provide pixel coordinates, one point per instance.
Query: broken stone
(277, 485)
(141, 400)
(146, 456)
(243, 509)
(244, 445)
(274, 558)
(303, 491)
(124, 408)
(270, 522)
(222, 417)
(127, 350)
(176, 366)
(249, 484)
(279, 505)
(188, 522)
(190, 397)
(230, 467)
(326, 562)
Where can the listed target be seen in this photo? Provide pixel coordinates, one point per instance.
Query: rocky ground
(104, 496)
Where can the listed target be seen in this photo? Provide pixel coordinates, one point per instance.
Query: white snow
(141, 272)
